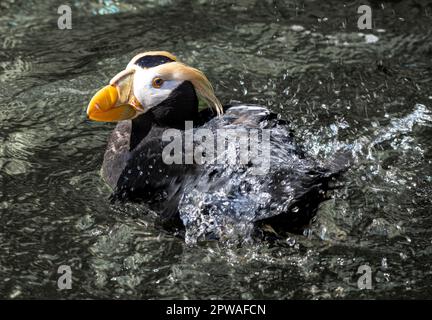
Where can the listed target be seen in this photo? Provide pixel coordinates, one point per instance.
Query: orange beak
(116, 101)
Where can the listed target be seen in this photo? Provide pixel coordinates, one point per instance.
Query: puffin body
(156, 95)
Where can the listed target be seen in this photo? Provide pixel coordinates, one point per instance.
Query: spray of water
(228, 199)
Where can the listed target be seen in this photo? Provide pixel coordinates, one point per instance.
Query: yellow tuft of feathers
(203, 87)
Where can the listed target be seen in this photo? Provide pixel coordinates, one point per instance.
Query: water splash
(226, 205)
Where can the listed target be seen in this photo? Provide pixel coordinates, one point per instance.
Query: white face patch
(144, 91)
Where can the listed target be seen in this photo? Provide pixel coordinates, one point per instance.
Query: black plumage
(152, 61)
(286, 198)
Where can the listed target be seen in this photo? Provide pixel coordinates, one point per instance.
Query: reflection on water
(338, 86)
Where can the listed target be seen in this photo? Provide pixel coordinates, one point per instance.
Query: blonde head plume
(203, 87)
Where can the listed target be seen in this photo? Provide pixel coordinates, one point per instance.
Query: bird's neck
(180, 106)
(141, 126)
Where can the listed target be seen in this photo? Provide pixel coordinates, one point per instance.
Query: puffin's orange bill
(103, 106)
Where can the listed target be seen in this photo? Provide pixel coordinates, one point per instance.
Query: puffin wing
(286, 196)
(117, 153)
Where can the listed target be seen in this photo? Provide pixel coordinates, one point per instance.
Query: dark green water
(306, 60)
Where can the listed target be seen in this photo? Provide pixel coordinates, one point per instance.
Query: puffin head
(152, 81)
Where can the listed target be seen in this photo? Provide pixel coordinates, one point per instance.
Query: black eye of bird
(157, 82)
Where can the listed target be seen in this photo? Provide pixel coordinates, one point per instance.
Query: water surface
(336, 84)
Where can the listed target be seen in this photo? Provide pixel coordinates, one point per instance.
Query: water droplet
(291, 242)
(384, 263)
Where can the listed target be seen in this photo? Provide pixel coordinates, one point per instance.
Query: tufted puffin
(155, 95)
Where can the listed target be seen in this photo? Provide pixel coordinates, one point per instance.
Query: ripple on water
(340, 89)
